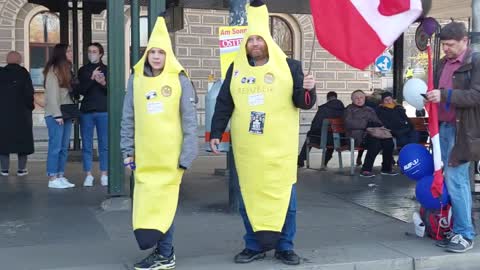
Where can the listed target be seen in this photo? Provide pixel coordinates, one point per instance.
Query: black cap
(162, 14)
(386, 94)
(257, 3)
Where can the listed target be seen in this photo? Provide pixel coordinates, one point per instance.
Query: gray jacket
(189, 123)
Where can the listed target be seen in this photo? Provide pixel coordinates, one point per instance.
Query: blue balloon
(424, 194)
(415, 161)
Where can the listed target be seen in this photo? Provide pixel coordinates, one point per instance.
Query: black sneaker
(445, 241)
(389, 173)
(22, 172)
(248, 255)
(288, 257)
(300, 164)
(156, 261)
(367, 174)
(458, 244)
(4, 172)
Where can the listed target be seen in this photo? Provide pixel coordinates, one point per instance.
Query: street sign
(383, 63)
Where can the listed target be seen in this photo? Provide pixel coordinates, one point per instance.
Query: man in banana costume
(262, 94)
(159, 136)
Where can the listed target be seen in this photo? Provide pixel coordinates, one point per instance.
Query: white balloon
(412, 91)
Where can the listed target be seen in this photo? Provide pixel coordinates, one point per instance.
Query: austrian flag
(358, 31)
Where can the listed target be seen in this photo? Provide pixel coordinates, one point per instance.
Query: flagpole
(312, 51)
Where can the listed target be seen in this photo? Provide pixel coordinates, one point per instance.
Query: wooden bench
(420, 124)
(336, 127)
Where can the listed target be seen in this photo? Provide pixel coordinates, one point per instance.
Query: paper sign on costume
(256, 99)
(229, 42)
(154, 107)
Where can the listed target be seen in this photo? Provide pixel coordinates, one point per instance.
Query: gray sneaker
(458, 244)
(445, 241)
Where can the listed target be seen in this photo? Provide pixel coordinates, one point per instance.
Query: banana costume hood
(265, 126)
(158, 142)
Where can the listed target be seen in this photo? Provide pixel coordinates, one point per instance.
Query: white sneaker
(66, 182)
(88, 181)
(57, 183)
(104, 180)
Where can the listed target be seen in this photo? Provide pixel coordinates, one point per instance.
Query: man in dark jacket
(333, 108)
(16, 106)
(262, 93)
(458, 92)
(394, 117)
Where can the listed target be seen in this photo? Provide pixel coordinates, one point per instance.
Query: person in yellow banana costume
(159, 141)
(262, 94)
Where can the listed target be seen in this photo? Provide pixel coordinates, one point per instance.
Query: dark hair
(100, 48)
(61, 66)
(454, 30)
(332, 94)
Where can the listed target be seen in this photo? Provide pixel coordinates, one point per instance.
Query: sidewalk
(342, 223)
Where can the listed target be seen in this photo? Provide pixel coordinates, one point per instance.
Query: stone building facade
(196, 47)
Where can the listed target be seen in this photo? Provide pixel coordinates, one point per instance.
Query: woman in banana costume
(262, 94)
(159, 141)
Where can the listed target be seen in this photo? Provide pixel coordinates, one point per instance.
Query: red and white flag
(432, 109)
(358, 31)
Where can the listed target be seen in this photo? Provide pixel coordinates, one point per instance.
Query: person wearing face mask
(92, 86)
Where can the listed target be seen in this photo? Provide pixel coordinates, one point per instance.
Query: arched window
(44, 32)
(282, 34)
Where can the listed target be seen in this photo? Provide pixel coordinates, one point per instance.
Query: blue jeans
(457, 180)
(165, 246)
(288, 231)
(89, 121)
(58, 143)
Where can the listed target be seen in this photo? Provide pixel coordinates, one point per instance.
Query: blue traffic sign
(383, 63)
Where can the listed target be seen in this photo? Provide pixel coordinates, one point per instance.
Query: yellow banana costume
(265, 127)
(158, 142)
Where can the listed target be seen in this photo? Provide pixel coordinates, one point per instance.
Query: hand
(59, 121)
(95, 73)
(213, 145)
(101, 79)
(129, 162)
(308, 82)
(434, 96)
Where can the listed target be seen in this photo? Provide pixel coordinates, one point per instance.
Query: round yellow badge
(269, 78)
(166, 91)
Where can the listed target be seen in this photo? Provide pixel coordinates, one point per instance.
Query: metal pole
(155, 7)
(64, 23)
(134, 54)
(398, 69)
(76, 127)
(135, 32)
(237, 16)
(476, 25)
(86, 29)
(116, 92)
